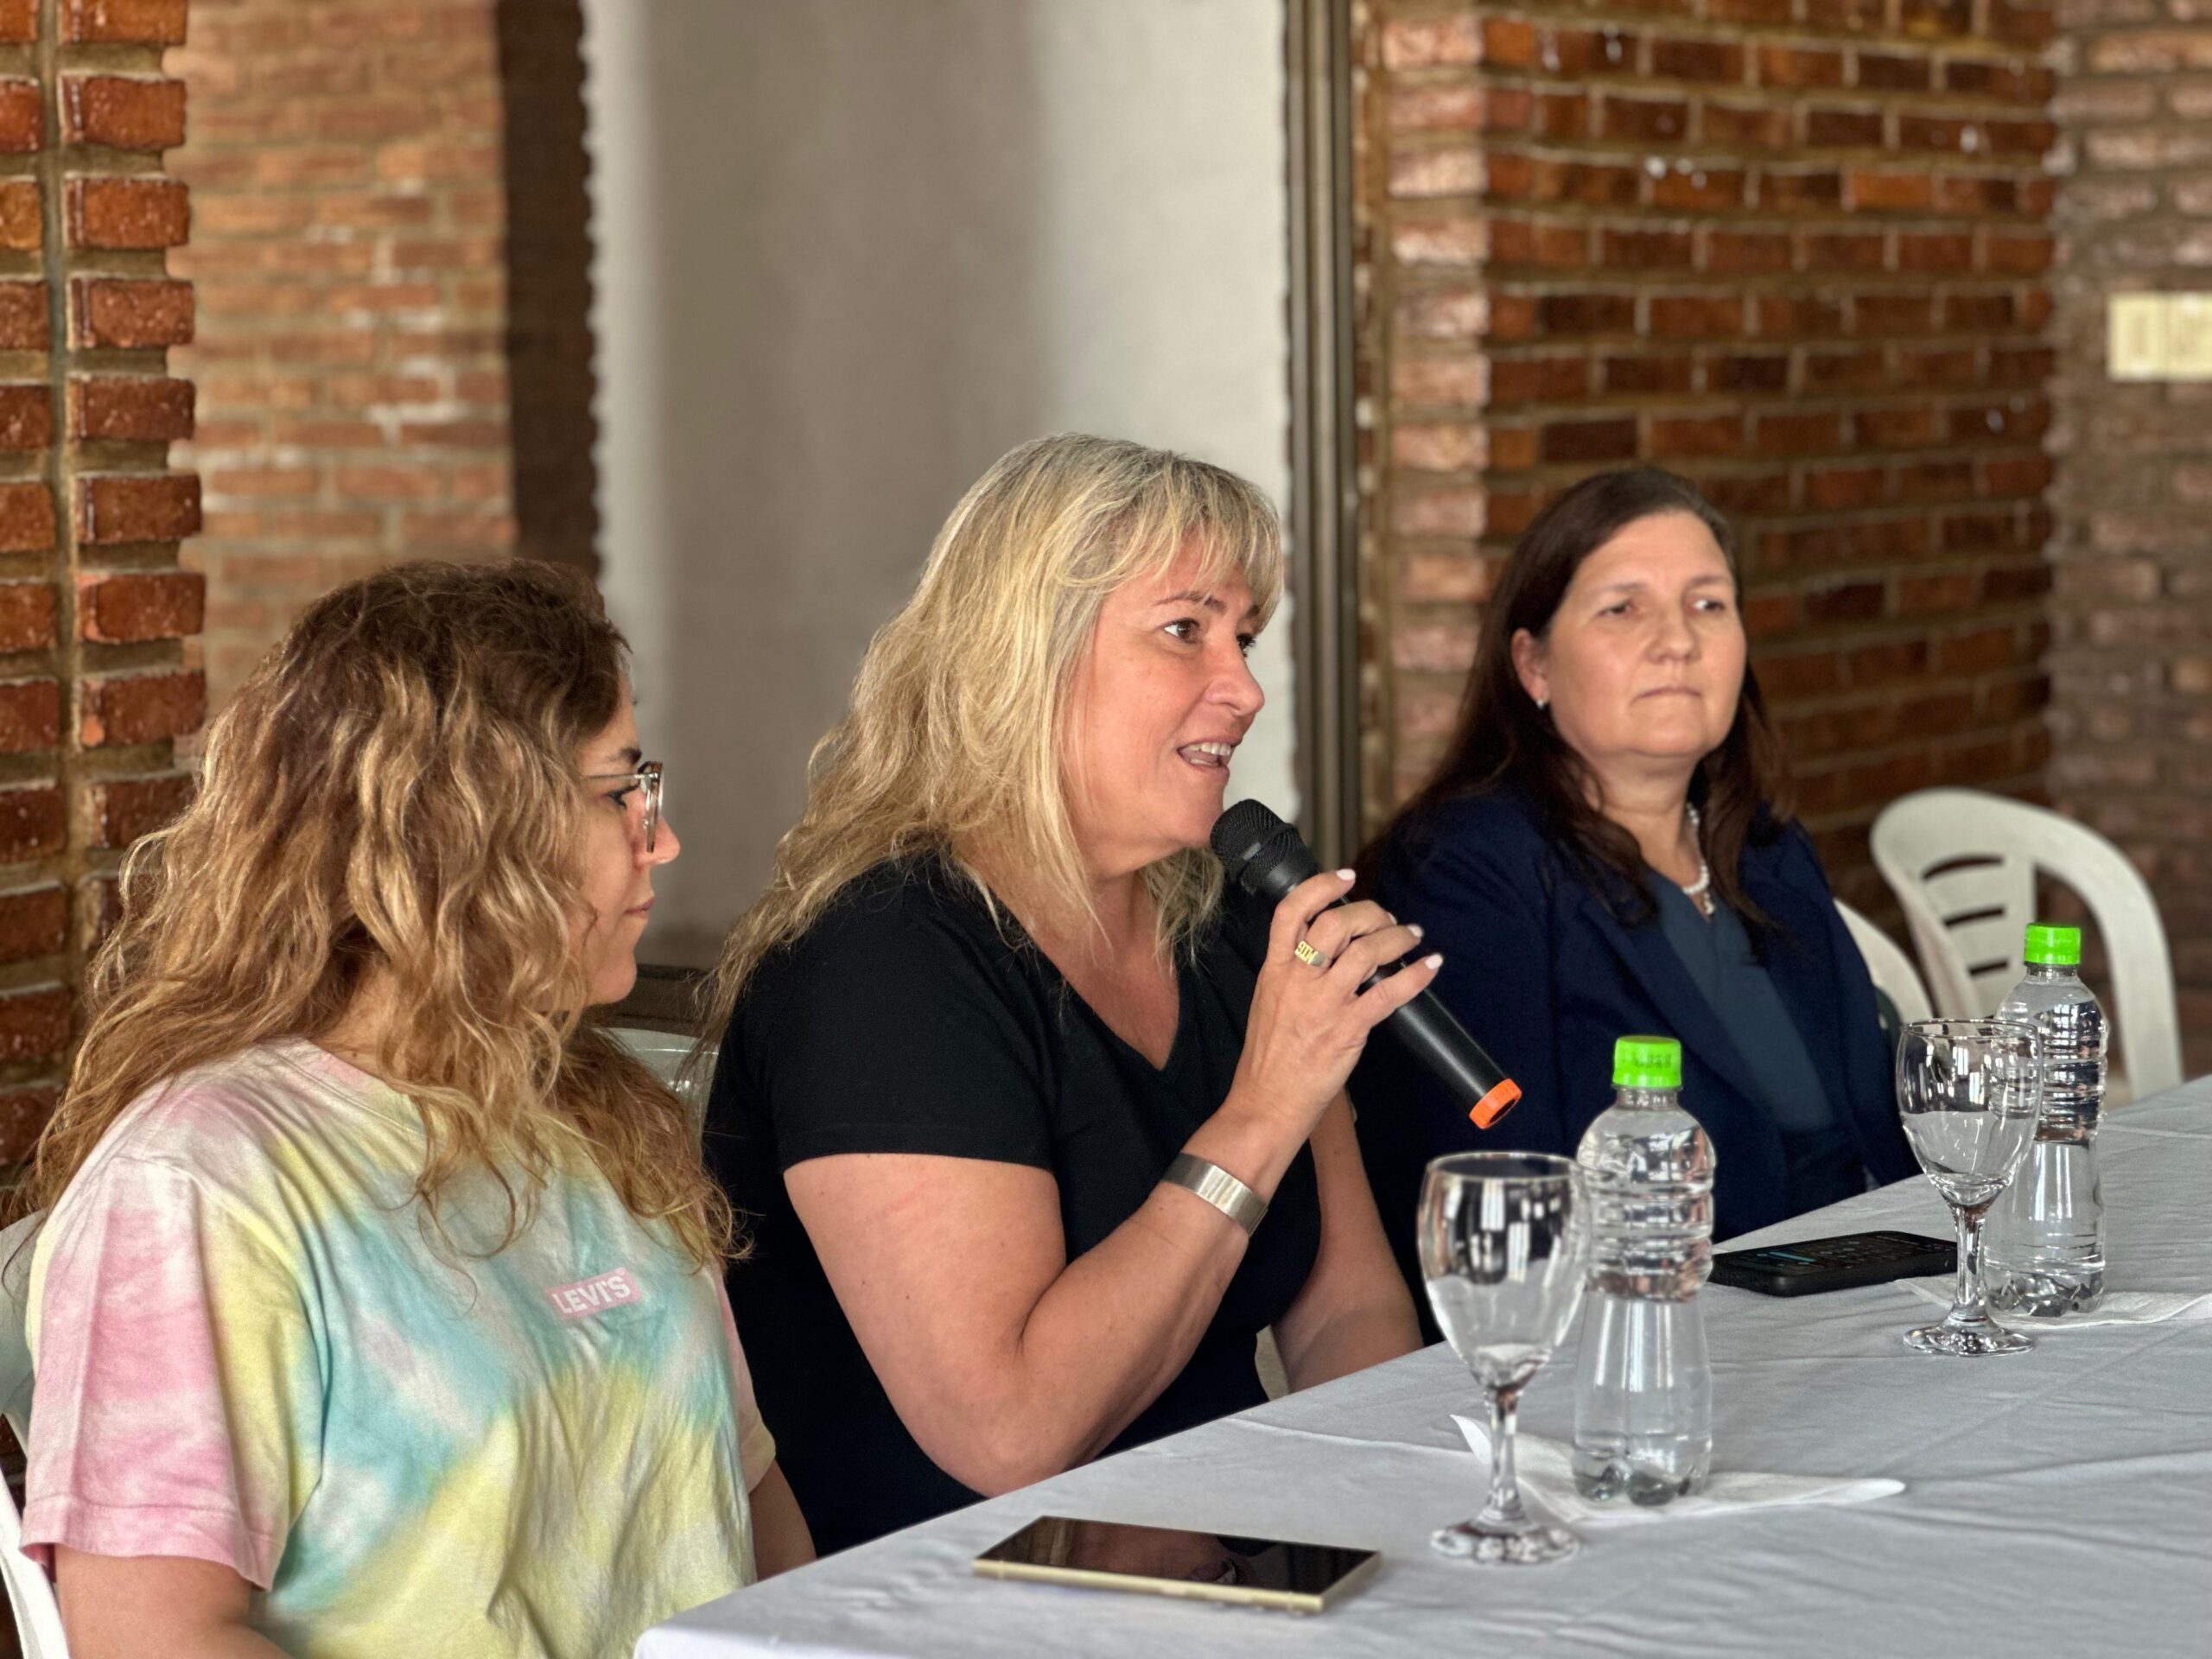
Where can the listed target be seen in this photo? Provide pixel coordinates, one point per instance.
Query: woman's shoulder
(1501, 811)
(893, 929)
(1786, 848)
(1497, 829)
(1489, 817)
(919, 897)
(238, 1106)
(902, 1019)
(237, 1131)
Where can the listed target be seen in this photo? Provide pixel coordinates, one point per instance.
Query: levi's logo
(589, 1296)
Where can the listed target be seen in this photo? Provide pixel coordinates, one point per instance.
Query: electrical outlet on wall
(2160, 337)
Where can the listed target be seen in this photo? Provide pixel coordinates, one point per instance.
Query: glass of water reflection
(1968, 1091)
(1502, 1247)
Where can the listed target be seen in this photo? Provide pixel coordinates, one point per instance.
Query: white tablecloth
(2058, 1503)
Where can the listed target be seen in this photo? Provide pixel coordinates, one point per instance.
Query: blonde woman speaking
(1036, 1156)
(379, 1309)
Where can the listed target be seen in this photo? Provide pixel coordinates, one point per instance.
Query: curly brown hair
(395, 790)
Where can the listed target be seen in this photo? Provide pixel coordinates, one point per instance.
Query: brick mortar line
(1517, 78)
(1516, 278)
(1670, 220)
(1886, 30)
(68, 867)
(1802, 398)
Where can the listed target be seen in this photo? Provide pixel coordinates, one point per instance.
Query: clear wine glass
(1502, 1246)
(1968, 1091)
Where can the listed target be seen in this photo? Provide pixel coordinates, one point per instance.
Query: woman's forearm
(1006, 1361)
(1118, 1323)
(1353, 1311)
(1255, 1145)
(780, 1538)
(1351, 1342)
(1112, 1332)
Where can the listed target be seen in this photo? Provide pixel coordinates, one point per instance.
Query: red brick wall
(2132, 655)
(345, 160)
(1796, 251)
(94, 686)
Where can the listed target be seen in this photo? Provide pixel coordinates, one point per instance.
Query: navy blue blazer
(1546, 978)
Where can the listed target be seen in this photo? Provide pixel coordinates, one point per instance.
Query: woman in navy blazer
(1607, 849)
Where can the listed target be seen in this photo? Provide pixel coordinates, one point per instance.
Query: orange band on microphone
(1496, 1104)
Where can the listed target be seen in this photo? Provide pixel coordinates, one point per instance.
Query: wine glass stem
(1968, 1306)
(1504, 1505)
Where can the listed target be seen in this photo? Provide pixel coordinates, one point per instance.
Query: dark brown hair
(1503, 741)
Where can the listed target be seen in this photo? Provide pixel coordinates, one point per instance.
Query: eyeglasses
(646, 780)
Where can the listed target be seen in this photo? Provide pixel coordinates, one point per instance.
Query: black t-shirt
(908, 1019)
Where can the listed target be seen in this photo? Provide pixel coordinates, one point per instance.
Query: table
(2057, 1503)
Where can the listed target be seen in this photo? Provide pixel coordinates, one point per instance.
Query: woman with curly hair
(379, 1307)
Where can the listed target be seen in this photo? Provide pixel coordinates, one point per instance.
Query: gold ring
(1306, 954)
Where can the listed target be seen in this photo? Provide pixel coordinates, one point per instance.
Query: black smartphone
(1170, 1561)
(1843, 1263)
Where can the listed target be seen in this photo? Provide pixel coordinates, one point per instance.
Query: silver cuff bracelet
(1218, 1188)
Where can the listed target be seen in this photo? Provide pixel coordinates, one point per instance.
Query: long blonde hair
(395, 789)
(954, 739)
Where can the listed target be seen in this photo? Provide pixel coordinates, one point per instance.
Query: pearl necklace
(1699, 892)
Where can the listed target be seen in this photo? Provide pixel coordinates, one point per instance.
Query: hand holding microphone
(1312, 1014)
(1268, 859)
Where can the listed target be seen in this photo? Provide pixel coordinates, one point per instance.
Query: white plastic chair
(664, 1054)
(38, 1615)
(1963, 865)
(1892, 971)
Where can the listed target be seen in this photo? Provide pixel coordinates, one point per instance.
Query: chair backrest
(1963, 865)
(15, 1241)
(1892, 971)
(663, 1053)
(38, 1615)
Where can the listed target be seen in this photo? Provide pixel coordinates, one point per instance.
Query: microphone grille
(1250, 840)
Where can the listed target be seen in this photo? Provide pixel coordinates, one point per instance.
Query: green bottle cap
(1647, 1063)
(2057, 947)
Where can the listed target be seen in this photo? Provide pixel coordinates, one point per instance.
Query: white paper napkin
(2118, 1306)
(1547, 1477)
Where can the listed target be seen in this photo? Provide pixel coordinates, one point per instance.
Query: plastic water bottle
(2044, 1246)
(1644, 1387)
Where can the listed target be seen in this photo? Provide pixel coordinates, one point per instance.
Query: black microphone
(1267, 858)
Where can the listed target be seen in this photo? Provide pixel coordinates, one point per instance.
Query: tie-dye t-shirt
(249, 1351)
